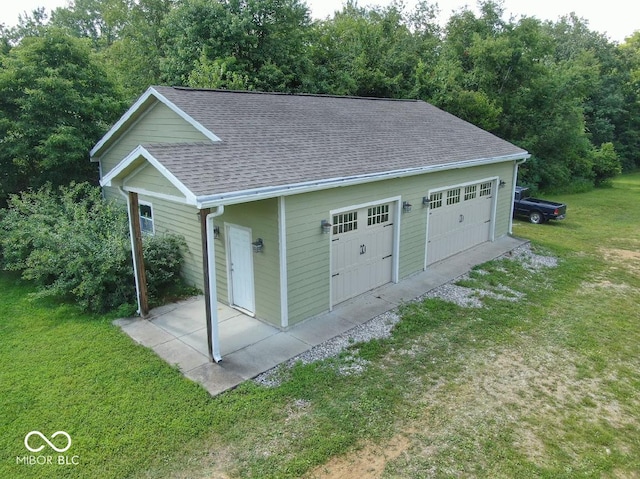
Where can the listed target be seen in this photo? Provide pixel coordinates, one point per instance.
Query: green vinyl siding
(262, 218)
(150, 179)
(308, 250)
(182, 220)
(159, 124)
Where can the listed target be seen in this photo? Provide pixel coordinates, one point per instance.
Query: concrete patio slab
(362, 308)
(320, 329)
(179, 323)
(243, 331)
(225, 312)
(264, 355)
(147, 333)
(198, 340)
(177, 332)
(214, 377)
(186, 358)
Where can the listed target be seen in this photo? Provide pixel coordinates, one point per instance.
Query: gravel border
(381, 326)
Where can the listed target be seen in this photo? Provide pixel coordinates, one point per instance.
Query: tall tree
(372, 51)
(100, 20)
(137, 54)
(55, 102)
(627, 140)
(602, 89)
(267, 40)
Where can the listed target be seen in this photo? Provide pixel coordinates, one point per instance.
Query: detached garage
(293, 204)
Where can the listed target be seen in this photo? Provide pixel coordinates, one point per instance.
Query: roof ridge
(276, 93)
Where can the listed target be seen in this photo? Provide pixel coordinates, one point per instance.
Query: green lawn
(548, 386)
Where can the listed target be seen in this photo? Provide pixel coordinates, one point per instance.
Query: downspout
(513, 190)
(131, 236)
(212, 327)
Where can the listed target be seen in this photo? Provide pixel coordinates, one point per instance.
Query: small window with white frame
(146, 218)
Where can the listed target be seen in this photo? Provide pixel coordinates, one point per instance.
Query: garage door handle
(388, 256)
(363, 249)
(461, 218)
(334, 275)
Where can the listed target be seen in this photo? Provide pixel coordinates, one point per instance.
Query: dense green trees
(262, 40)
(55, 101)
(564, 92)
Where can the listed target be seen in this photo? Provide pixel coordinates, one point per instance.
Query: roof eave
(255, 194)
(141, 151)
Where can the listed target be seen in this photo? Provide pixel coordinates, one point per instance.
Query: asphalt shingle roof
(271, 140)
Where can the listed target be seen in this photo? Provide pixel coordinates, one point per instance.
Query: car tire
(536, 217)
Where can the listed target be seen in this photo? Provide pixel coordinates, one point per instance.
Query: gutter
(213, 338)
(132, 237)
(513, 189)
(209, 201)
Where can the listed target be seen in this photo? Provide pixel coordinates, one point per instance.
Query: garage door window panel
(453, 196)
(435, 200)
(345, 222)
(470, 192)
(378, 215)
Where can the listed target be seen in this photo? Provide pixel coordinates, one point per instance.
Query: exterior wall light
(258, 245)
(502, 183)
(325, 226)
(425, 201)
(216, 232)
(406, 206)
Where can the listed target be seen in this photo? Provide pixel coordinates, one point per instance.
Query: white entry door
(459, 218)
(362, 250)
(240, 257)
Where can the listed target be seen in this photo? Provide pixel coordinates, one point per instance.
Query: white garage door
(459, 218)
(361, 250)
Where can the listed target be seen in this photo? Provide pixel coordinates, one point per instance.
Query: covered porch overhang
(125, 177)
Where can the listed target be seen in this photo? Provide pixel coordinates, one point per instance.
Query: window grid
(345, 222)
(377, 214)
(435, 200)
(470, 192)
(485, 189)
(146, 219)
(453, 196)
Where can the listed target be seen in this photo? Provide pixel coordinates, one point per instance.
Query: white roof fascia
(141, 151)
(136, 106)
(235, 197)
(155, 194)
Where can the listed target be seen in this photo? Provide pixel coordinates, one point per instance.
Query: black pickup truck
(538, 211)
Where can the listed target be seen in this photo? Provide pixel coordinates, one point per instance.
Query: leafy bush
(75, 245)
(162, 260)
(606, 163)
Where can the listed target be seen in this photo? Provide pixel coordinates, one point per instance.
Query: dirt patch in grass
(515, 390)
(623, 257)
(604, 284)
(368, 462)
